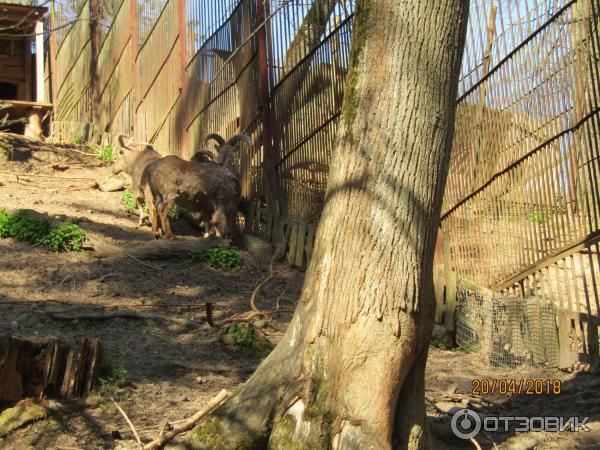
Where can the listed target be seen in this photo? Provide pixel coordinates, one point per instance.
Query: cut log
(32, 368)
(151, 249)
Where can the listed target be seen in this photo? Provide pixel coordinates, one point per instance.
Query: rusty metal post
(270, 152)
(133, 33)
(95, 52)
(186, 151)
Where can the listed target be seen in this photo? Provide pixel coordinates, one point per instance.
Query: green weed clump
(104, 153)
(219, 257)
(129, 205)
(129, 202)
(243, 335)
(22, 227)
(112, 381)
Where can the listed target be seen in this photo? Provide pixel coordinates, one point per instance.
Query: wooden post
(450, 307)
(40, 94)
(270, 153)
(95, 52)
(186, 151)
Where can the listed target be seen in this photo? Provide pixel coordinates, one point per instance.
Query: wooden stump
(31, 368)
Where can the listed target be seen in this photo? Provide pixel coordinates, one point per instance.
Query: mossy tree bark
(349, 373)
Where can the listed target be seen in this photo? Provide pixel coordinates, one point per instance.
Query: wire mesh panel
(508, 331)
(306, 107)
(523, 180)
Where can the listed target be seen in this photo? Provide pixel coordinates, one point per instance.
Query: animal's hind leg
(143, 215)
(150, 202)
(164, 209)
(219, 221)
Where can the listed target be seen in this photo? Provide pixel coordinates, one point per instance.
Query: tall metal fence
(522, 206)
(521, 210)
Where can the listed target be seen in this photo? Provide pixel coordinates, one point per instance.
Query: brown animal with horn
(208, 190)
(133, 162)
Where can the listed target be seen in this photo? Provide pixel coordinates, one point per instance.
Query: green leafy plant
(243, 335)
(176, 212)
(66, 236)
(129, 202)
(438, 339)
(219, 257)
(470, 346)
(79, 139)
(104, 153)
(22, 227)
(113, 380)
(129, 205)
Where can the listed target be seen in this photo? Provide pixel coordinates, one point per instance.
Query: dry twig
(137, 436)
(188, 424)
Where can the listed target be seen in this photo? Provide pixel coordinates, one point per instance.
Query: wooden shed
(22, 63)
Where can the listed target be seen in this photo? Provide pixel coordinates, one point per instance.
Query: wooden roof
(19, 19)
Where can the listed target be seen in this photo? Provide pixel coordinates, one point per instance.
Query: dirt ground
(163, 370)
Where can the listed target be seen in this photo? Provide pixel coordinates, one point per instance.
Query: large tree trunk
(349, 372)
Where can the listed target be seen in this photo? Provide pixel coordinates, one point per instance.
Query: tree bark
(349, 373)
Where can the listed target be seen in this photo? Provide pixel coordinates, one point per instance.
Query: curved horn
(136, 144)
(121, 141)
(216, 137)
(240, 137)
(203, 156)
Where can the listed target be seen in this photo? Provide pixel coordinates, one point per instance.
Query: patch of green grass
(243, 335)
(129, 202)
(22, 227)
(438, 339)
(79, 139)
(219, 257)
(176, 212)
(104, 153)
(129, 205)
(470, 346)
(112, 381)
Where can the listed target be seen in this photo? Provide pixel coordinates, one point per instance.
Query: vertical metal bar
(186, 151)
(95, 51)
(53, 49)
(134, 42)
(270, 153)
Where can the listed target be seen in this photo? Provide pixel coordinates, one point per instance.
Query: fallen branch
(24, 184)
(39, 175)
(119, 314)
(137, 436)
(129, 255)
(150, 249)
(188, 424)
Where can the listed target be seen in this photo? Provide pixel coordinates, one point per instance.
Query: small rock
(447, 407)
(14, 325)
(200, 380)
(111, 185)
